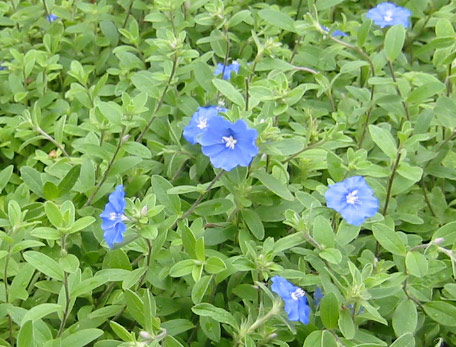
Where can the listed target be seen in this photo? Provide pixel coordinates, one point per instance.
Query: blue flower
(229, 144)
(353, 199)
(113, 217)
(234, 67)
(51, 17)
(2, 68)
(318, 295)
(335, 33)
(198, 124)
(387, 13)
(294, 297)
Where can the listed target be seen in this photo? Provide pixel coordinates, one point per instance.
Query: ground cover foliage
(98, 95)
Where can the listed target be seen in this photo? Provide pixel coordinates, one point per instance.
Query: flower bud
(439, 240)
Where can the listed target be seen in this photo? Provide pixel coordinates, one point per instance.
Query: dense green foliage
(100, 97)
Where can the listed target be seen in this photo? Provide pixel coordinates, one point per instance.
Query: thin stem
(51, 139)
(66, 311)
(426, 199)
(249, 79)
(197, 201)
(306, 69)
(5, 282)
(45, 8)
(148, 259)
(128, 14)
(404, 104)
(291, 157)
(295, 49)
(160, 102)
(390, 182)
(105, 176)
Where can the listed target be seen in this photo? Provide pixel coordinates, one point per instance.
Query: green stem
(105, 176)
(51, 139)
(148, 259)
(404, 104)
(197, 201)
(160, 102)
(66, 311)
(291, 157)
(390, 182)
(128, 14)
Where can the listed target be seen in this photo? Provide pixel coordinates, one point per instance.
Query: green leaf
(277, 18)
(394, 41)
(25, 337)
(219, 314)
(329, 311)
(214, 207)
(200, 251)
(177, 326)
(121, 332)
(44, 264)
(406, 340)
(215, 265)
(229, 92)
(69, 263)
(442, 312)
(448, 233)
(253, 222)
(384, 140)
(53, 214)
(346, 325)
(82, 337)
(210, 328)
(137, 149)
(32, 179)
(69, 180)
(405, 317)
(425, 91)
(417, 264)
(274, 185)
(388, 239)
(182, 268)
(161, 186)
(332, 255)
(5, 176)
(40, 311)
(199, 289)
(323, 232)
(135, 306)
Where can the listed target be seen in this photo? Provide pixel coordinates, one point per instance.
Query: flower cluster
(226, 70)
(113, 217)
(353, 199)
(387, 13)
(294, 297)
(227, 144)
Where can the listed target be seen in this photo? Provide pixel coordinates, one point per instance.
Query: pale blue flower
(234, 67)
(353, 199)
(387, 13)
(229, 144)
(113, 217)
(51, 18)
(294, 297)
(198, 124)
(335, 33)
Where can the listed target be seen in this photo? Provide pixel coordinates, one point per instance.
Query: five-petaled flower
(227, 70)
(113, 217)
(229, 144)
(387, 13)
(51, 18)
(294, 297)
(198, 124)
(353, 199)
(335, 32)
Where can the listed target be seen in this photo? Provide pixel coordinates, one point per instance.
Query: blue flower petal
(353, 199)
(199, 122)
(113, 217)
(115, 234)
(387, 13)
(227, 70)
(294, 298)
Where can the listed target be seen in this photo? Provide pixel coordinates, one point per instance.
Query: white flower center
(352, 197)
(230, 141)
(202, 123)
(389, 16)
(298, 293)
(115, 216)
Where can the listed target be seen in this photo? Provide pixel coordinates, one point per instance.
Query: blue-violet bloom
(353, 199)
(229, 144)
(294, 297)
(335, 33)
(387, 13)
(113, 217)
(3, 67)
(318, 295)
(51, 18)
(234, 67)
(198, 124)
